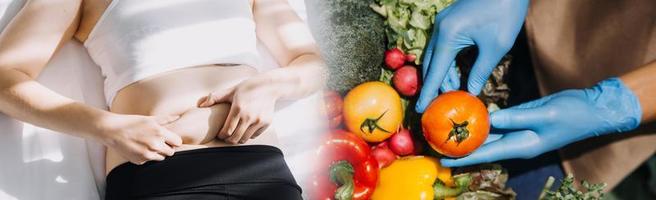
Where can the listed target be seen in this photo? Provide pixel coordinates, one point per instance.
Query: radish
(406, 80)
(383, 154)
(394, 58)
(401, 143)
(410, 57)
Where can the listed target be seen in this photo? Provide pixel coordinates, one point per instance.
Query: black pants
(222, 173)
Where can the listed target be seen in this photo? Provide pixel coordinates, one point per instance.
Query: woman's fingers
(239, 131)
(250, 133)
(171, 138)
(162, 149)
(260, 131)
(221, 96)
(150, 156)
(202, 102)
(230, 124)
(146, 155)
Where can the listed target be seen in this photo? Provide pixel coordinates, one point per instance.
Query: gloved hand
(491, 25)
(554, 121)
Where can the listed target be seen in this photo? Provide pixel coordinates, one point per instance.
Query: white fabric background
(37, 163)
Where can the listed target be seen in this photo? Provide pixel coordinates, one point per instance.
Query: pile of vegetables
(374, 124)
(372, 129)
(408, 24)
(380, 150)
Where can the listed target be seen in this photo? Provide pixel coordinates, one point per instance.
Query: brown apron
(577, 43)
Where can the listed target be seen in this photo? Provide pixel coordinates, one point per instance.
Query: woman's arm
(643, 84)
(290, 42)
(26, 46)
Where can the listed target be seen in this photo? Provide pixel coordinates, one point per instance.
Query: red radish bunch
(410, 57)
(401, 143)
(394, 58)
(383, 154)
(405, 78)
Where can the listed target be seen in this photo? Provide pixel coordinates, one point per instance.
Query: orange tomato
(373, 111)
(455, 124)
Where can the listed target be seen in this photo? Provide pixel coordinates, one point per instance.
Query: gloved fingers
(486, 61)
(518, 144)
(452, 80)
(519, 118)
(534, 103)
(493, 137)
(428, 57)
(437, 70)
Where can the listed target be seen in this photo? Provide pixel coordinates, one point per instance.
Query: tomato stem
(459, 131)
(372, 124)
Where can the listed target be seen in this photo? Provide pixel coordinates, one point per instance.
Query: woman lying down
(184, 87)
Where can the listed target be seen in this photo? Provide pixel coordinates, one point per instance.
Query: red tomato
(456, 123)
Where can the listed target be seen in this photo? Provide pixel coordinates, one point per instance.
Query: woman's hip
(236, 172)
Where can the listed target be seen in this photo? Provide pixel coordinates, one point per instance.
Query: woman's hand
(140, 138)
(251, 111)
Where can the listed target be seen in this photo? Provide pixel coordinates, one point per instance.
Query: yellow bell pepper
(410, 178)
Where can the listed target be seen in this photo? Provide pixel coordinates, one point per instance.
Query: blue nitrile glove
(554, 121)
(491, 25)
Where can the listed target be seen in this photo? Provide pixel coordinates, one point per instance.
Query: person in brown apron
(595, 64)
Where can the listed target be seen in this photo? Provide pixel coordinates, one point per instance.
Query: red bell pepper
(345, 160)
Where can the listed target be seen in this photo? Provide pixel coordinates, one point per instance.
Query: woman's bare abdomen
(177, 93)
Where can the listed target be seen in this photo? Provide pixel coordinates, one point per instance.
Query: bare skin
(155, 117)
(643, 84)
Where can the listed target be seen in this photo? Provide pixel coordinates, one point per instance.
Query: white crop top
(135, 39)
